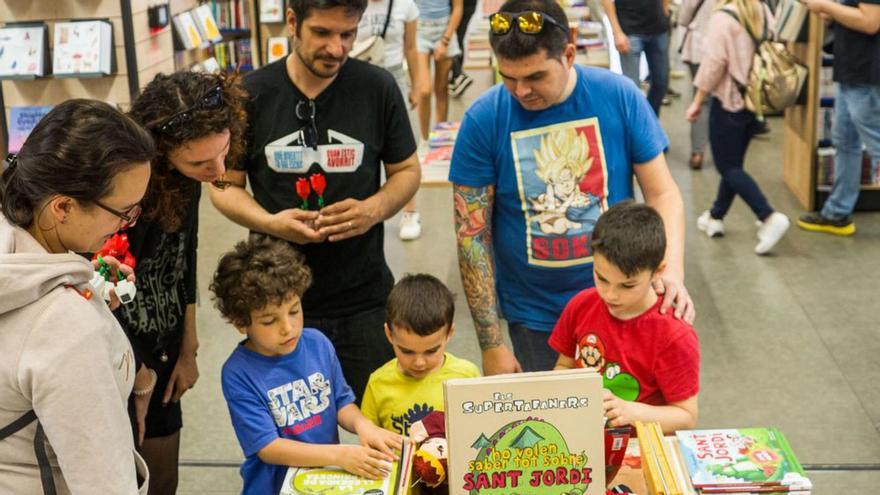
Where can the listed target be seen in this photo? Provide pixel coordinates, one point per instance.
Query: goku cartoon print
(563, 186)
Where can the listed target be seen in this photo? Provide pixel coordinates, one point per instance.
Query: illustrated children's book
(336, 481)
(83, 48)
(527, 433)
(23, 51)
(206, 23)
(22, 121)
(187, 32)
(745, 459)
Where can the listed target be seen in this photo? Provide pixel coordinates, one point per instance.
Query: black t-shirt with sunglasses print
(360, 121)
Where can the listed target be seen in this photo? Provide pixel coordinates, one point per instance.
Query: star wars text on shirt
(296, 406)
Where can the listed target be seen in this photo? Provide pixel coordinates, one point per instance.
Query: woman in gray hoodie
(67, 367)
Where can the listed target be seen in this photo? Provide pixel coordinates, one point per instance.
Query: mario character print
(591, 354)
(562, 180)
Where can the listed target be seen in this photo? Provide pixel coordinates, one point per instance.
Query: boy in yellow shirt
(419, 323)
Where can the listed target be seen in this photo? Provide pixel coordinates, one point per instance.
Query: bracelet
(144, 391)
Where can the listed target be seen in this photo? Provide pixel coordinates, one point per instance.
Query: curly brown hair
(166, 96)
(260, 271)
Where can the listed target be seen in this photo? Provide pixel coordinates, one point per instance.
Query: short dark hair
(75, 150)
(421, 304)
(630, 235)
(516, 45)
(303, 8)
(257, 272)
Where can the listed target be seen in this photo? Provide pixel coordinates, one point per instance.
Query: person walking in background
(400, 31)
(723, 70)
(856, 107)
(437, 41)
(693, 16)
(459, 80)
(642, 26)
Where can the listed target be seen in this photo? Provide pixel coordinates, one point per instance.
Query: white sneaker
(773, 228)
(711, 226)
(410, 226)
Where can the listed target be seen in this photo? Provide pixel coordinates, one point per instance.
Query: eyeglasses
(528, 22)
(212, 100)
(305, 110)
(129, 218)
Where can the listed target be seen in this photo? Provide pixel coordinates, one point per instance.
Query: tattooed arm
(473, 226)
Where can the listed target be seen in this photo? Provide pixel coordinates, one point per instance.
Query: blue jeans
(856, 121)
(531, 348)
(656, 48)
(729, 137)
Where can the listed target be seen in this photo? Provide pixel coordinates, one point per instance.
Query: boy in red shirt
(650, 362)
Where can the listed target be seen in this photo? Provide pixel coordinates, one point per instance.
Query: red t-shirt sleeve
(677, 368)
(563, 339)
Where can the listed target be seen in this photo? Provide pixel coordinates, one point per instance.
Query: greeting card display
(526, 433)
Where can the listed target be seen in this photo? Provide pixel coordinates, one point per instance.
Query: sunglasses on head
(528, 22)
(211, 100)
(305, 110)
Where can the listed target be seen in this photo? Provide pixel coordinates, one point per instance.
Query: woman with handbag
(67, 368)
(724, 71)
(386, 37)
(198, 123)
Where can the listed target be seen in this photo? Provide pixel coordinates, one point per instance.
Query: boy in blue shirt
(283, 384)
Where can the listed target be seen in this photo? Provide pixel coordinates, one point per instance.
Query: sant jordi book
(336, 481)
(723, 459)
(527, 433)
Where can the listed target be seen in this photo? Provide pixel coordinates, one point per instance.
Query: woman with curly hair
(198, 123)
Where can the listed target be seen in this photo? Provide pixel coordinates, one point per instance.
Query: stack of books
(742, 461)
(827, 156)
(437, 156)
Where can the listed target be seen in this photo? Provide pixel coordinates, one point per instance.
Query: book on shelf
(234, 55)
(336, 481)
(277, 47)
(747, 460)
(22, 121)
(206, 23)
(82, 48)
(187, 32)
(24, 51)
(271, 11)
(527, 433)
(232, 15)
(790, 16)
(826, 157)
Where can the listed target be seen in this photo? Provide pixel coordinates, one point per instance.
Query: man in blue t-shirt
(536, 161)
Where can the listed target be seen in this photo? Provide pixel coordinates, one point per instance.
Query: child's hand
(621, 412)
(380, 439)
(365, 462)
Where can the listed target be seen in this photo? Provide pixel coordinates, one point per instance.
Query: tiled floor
(789, 340)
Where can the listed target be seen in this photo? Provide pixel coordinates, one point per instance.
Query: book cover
(22, 121)
(277, 48)
(186, 30)
(526, 433)
(83, 48)
(336, 481)
(271, 11)
(206, 23)
(732, 458)
(443, 134)
(23, 51)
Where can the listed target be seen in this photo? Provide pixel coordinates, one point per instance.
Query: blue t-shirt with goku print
(554, 171)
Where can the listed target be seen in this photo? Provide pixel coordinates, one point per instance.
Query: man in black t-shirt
(856, 107)
(319, 124)
(642, 26)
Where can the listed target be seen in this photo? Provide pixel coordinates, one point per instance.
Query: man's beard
(312, 67)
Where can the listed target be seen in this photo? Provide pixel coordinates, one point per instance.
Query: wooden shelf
(864, 187)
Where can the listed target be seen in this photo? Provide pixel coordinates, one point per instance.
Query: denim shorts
(429, 33)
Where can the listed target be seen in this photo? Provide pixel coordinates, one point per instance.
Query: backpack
(776, 78)
(372, 49)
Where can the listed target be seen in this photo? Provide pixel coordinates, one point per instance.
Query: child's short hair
(258, 272)
(630, 235)
(421, 304)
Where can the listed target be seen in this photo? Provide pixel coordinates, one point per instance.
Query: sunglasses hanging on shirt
(528, 22)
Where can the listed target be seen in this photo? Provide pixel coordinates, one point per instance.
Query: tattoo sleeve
(473, 226)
